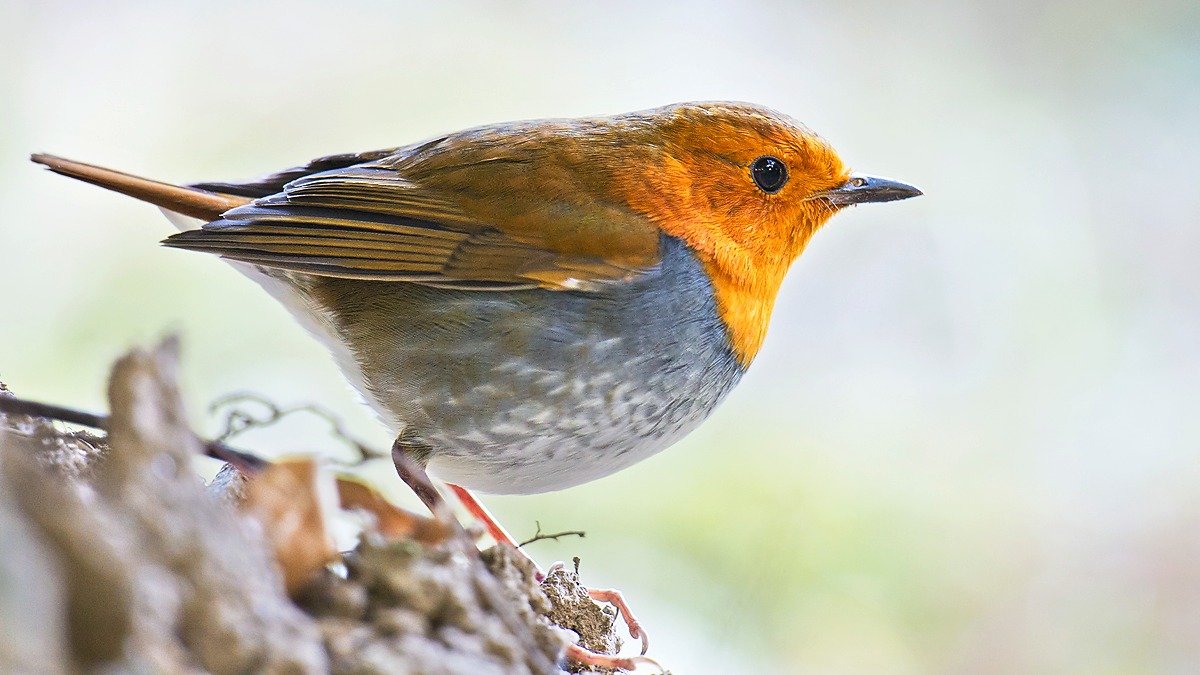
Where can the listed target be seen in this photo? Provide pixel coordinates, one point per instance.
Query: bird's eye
(769, 174)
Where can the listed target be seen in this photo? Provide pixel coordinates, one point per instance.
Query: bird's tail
(184, 200)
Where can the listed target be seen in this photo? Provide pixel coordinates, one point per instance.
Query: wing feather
(453, 213)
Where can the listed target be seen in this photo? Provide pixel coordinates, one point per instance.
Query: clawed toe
(589, 658)
(614, 598)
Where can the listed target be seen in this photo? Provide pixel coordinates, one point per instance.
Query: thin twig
(216, 449)
(238, 420)
(538, 536)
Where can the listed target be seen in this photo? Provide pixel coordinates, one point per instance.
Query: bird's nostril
(859, 182)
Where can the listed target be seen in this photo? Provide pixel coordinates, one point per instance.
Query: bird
(533, 305)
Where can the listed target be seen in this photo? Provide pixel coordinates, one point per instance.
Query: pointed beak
(861, 189)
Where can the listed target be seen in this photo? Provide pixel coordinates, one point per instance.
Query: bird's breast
(537, 390)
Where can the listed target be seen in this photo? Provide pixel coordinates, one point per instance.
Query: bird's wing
(270, 184)
(461, 214)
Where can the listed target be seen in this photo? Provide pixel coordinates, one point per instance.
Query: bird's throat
(744, 303)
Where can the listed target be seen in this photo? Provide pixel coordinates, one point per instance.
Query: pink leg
(614, 598)
(480, 512)
(592, 659)
(497, 532)
(493, 526)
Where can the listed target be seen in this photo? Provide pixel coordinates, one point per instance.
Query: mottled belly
(532, 391)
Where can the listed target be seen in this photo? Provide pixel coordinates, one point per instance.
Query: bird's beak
(861, 189)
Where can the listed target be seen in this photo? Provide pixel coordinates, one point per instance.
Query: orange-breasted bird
(534, 305)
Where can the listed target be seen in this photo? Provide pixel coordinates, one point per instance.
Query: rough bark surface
(116, 556)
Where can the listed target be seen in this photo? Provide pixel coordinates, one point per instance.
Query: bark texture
(117, 556)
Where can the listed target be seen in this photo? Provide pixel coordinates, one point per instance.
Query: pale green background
(970, 443)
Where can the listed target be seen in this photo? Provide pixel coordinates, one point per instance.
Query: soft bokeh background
(970, 443)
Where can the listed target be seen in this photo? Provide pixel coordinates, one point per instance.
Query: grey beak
(861, 189)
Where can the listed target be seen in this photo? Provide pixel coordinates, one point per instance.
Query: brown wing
(275, 182)
(471, 211)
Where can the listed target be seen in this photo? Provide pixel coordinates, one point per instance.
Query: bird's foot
(616, 599)
(497, 532)
(591, 659)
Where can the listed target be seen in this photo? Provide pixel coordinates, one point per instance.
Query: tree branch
(12, 405)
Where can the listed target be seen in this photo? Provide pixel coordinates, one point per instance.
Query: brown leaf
(293, 499)
(391, 521)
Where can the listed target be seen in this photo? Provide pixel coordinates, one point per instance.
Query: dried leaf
(294, 500)
(391, 521)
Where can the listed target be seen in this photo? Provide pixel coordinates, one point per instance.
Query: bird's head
(746, 188)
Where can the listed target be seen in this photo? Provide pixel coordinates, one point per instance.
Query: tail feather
(187, 201)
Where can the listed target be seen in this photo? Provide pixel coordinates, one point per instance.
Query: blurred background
(970, 442)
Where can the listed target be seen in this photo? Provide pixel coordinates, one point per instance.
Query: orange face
(745, 188)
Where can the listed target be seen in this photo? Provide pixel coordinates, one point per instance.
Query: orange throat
(746, 271)
(744, 303)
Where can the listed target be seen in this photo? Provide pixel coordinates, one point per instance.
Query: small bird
(533, 305)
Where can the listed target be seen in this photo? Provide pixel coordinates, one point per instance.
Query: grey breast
(537, 390)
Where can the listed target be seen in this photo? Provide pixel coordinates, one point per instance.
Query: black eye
(769, 174)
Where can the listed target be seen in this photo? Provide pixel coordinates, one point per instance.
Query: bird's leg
(480, 513)
(418, 480)
(414, 476)
(501, 535)
(614, 598)
(593, 660)
(422, 485)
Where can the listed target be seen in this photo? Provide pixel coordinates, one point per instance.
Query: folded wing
(455, 212)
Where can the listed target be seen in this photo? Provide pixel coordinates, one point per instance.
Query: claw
(541, 576)
(614, 598)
